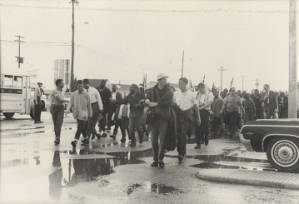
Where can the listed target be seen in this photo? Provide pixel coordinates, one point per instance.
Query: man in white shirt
(204, 101)
(38, 102)
(186, 109)
(97, 106)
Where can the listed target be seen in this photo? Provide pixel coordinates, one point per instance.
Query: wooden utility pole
(20, 59)
(221, 70)
(73, 42)
(292, 106)
(182, 69)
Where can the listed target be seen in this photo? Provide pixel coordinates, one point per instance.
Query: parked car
(279, 138)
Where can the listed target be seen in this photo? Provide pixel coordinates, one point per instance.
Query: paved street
(35, 171)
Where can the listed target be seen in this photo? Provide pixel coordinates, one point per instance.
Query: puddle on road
(82, 168)
(22, 134)
(152, 187)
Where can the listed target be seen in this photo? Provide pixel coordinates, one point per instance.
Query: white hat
(161, 76)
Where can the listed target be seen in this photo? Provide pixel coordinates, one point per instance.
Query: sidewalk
(248, 177)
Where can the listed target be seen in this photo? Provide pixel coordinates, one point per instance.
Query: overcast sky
(120, 40)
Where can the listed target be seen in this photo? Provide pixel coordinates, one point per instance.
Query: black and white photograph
(149, 102)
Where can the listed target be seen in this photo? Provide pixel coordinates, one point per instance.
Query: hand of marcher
(152, 104)
(199, 122)
(147, 101)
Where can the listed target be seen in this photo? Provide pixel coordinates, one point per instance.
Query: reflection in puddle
(153, 187)
(163, 189)
(217, 165)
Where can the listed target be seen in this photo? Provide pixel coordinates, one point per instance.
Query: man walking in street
(217, 114)
(136, 114)
(160, 101)
(107, 111)
(80, 106)
(233, 108)
(38, 103)
(270, 103)
(185, 103)
(96, 105)
(204, 101)
(116, 99)
(57, 108)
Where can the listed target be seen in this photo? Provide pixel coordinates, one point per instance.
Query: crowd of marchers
(163, 114)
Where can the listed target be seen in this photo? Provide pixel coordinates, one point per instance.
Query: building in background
(62, 71)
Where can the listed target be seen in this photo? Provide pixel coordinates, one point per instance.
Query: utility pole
(221, 70)
(73, 42)
(292, 106)
(182, 69)
(257, 84)
(243, 80)
(20, 59)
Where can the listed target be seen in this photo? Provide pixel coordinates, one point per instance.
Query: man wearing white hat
(160, 101)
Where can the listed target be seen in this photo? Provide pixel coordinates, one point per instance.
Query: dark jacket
(270, 103)
(164, 98)
(136, 107)
(106, 97)
(116, 103)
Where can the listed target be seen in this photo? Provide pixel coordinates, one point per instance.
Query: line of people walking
(170, 116)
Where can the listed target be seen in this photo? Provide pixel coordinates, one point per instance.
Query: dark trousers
(93, 120)
(135, 124)
(233, 121)
(216, 125)
(82, 126)
(106, 120)
(37, 112)
(158, 133)
(57, 112)
(124, 127)
(184, 127)
(203, 129)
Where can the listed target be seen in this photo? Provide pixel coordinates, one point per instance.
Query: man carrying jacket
(160, 101)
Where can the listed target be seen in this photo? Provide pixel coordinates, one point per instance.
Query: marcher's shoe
(104, 135)
(113, 136)
(98, 135)
(181, 158)
(38, 122)
(74, 143)
(197, 147)
(56, 142)
(206, 140)
(161, 165)
(155, 164)
(133, 144)
(123, 140)
(85, 141)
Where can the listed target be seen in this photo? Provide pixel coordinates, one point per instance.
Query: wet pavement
(35, 171)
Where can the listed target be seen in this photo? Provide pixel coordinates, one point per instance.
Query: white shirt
(113, 95)
(204, 101)
(95, 96)
(185, 100)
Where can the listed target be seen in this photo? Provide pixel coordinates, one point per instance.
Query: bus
(16, 94)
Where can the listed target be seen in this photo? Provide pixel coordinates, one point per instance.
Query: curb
(205, 175)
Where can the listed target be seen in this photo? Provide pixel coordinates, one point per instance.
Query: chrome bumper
(246, 142)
